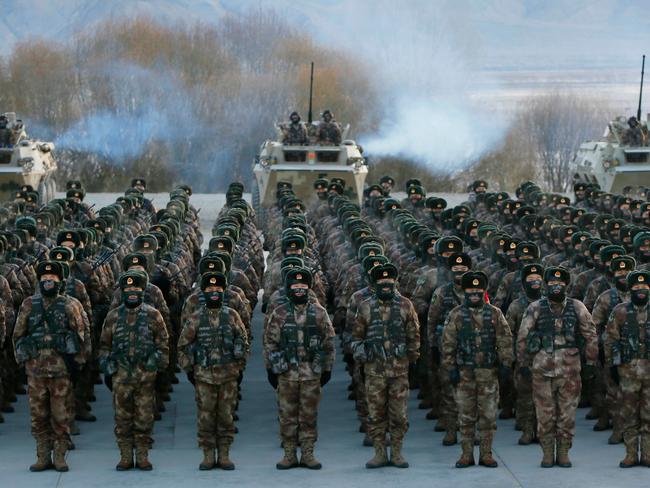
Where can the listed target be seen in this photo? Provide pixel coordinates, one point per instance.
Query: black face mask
(385, 291)
(644, 256)
(458, 277)
(322, 195)
(474, 299)
(557, 293)
(299, 296)
(132, 299)
(48, 288)
(533, 289)
(621, 283)
(640, 297)
(213, 299)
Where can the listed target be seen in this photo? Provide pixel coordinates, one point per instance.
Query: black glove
(190, 377)
(265, 307)
(589, 371)
(325, 377)
(525, 373)
(348, 358)
(74, 370)
(273, 378)
(454, 376)
(108, 381)
(435, 355)
(615, 376)
(505, 373)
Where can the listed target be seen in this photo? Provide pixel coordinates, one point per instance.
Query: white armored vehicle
(24, 161)
(617, 160)
(302, 164)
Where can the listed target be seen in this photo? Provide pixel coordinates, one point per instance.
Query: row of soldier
(108, 293)
(536, 350)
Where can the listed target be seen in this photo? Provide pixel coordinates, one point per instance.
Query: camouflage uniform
(476, 340)
(212, 347)
(627, 348)
(47, 330)
(385, 340)
(298, 347)
(555, 365)
(134, 346)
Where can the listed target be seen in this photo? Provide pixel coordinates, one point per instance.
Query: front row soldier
(299, 355)
(212, 350)
(627, 352)
(385, 340)
(547, 349)
(48, 340)
(477, 352)
(134, 346)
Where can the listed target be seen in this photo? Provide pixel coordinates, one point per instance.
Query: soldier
(633, 135)
(477, 351)
(531, 280)
(547, 348)
(386, 340)
(48, 340)
(329, 131)
(134, 346)
(387, 183)
(299, 355)
(627, 352)
(294, 132)
(212, 349)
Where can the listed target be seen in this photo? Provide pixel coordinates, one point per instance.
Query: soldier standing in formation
(212, 349)
(299, 356)
(134, 346)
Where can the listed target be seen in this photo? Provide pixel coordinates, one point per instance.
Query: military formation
(520, 307)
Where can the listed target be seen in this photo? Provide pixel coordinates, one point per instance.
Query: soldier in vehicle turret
(329, 130)
(634, 135)
(294, 132)
(5, 132)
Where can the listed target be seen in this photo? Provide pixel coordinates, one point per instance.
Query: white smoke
(423, 58)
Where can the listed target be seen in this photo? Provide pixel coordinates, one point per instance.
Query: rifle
(32, 259)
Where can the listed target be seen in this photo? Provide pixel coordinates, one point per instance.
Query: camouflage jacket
(49, 363)
(408, 326)
(638, 367)
(152, 296)
(311, 363)
(501, 350)
(214, 374)
(604, 306)
(562, 359)
(160, 336)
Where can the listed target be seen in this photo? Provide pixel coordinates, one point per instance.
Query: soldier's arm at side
(613, 333)
(185, 340)
(588, 332)
(504, 340)
(327, 340)
(20, 329)
(272, 337)
(450, 340)
(412, 325)
(527, 325)
(161, 338)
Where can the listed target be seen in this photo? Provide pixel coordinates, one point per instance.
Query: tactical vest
(294, 352)
(449, 301)
(70, 290)
(629, 344)
(49, 329)
(386, 338)
(546, 328)
(214, 345)
(467, 348)
(132, 345)
(614, 299)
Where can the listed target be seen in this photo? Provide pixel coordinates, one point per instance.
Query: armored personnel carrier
(24, 161)
(301, 165)
(612, 161)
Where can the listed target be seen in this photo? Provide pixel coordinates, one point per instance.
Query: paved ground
(256, 449)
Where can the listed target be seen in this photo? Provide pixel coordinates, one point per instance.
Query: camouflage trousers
(298, 410)
(387, 407)
(447, 405)
(215, 405)
(525, 407)
(134, 406)
(477, 398)
(49, 409)
(360, 391)
(556, 400)
(635, 404)
(433, 381)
